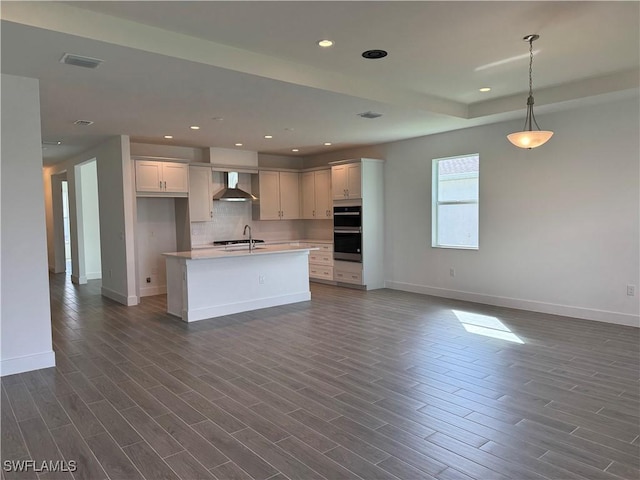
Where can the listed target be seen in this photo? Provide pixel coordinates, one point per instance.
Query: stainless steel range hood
(231, 192)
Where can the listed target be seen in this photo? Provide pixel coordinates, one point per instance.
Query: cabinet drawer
(348, 277)
(321, 271)
(320, 258)
(324, 247)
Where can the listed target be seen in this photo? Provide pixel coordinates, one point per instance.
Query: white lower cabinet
(321, 261)
(347, 272)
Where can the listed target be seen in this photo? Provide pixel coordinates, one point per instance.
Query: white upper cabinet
(162, 178)
(175, 177)
(278, 196)
(346, 181)
(324, 202)
(200, 194)
(308, 195)
(289, 195)
(316, 195)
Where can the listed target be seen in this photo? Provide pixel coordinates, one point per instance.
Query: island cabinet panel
(278, 195)
(212, 283)
(316, 202)
(346, 181)
(200, 194)
(162, 178)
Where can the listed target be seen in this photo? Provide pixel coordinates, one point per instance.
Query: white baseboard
(617, 318)
(94, 276)
(10, 366)
(118, 297)
(231, 308)
(150, 291)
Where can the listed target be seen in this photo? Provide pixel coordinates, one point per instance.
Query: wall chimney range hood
(231, 192)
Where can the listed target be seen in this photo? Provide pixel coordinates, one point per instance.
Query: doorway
(66, 228)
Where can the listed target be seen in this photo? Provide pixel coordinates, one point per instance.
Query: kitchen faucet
(250, 238)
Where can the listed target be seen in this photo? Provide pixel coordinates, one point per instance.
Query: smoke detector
(369, 115)
(83, 123)
(81, 61)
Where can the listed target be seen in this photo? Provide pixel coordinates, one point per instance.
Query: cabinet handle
(165, 185)
(210, 213)
(160, 184)
(314, 213)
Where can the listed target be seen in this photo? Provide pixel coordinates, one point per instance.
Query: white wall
(25, 316)
(117, 216)
(155, 234)
(558, 224)
(90, 210)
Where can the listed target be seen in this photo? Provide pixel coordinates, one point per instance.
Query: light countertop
(208, 246)
(241, 250)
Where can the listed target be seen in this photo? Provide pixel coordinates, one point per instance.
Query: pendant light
(528, 137)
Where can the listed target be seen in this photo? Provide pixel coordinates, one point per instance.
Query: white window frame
(435, 203)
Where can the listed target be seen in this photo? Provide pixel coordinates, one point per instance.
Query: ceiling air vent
(80, 61)
(83, 123)
(369, 115)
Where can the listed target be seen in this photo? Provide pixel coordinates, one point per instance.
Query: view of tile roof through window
(459, 165)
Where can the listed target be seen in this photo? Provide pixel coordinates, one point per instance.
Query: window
(455, 202)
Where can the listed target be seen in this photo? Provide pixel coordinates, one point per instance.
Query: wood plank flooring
(351, 385)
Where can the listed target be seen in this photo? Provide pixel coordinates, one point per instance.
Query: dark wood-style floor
(370, 385)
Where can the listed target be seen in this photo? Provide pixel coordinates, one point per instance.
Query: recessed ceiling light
(325, 43)
(194, 127)
(168, 136)
(374, 54)
(485, 89)
(326, 144)
(268, 136)
(238, 144)
(295, 150)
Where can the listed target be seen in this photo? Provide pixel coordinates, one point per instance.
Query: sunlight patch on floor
(486, 325)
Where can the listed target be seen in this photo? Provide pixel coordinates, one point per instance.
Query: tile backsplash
(229, 219)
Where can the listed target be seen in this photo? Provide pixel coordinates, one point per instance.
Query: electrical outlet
(148, 279)
(261, 279)
(452, 272)
(631, 290)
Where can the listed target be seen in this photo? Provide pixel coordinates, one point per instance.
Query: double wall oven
(347, 232)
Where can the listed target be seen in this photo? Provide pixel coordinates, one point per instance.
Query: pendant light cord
(531, 67)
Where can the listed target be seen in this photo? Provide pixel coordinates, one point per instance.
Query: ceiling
(242, 70)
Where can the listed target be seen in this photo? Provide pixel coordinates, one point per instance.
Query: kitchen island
(213, 282)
